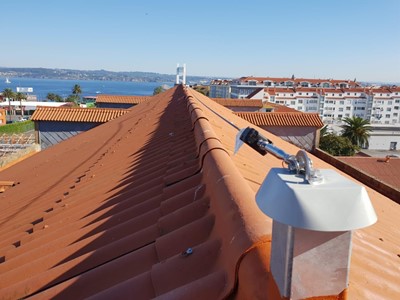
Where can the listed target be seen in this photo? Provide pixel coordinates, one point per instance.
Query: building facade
(332, 99)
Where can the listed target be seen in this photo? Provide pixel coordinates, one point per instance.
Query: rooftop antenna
(314, 213)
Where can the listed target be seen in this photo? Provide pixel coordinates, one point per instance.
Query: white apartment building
(385, 108)
(244, 86)
(332, 99)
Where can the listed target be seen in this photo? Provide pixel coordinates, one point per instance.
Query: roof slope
(103, 98)
(154, 204)
(62, 114)
(384, 170)
(239, 102)
(282, 119)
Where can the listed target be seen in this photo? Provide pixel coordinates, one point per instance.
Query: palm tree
(19, 97)
(76, 91)
(9, 94)
(357, 130)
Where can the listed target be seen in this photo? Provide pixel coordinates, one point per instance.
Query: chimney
(312, 230)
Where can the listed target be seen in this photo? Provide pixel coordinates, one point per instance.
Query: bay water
(41, 87)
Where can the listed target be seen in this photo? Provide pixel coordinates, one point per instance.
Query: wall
(382, 141)
(51, 133)
(303, 137)
(2, 117)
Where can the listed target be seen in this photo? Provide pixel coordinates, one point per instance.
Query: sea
(41, 87)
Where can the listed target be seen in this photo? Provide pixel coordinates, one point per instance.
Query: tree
(19, 97)
(54, 97)
(357, 130)
(77, 91)
(158, 90)
(73, 99)
(337, 145)
(9, 94)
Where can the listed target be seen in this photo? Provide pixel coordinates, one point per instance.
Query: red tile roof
(388, 172)
(62, 114)
(121, 99)
(282, 119)
(154, 204)
(238, 102)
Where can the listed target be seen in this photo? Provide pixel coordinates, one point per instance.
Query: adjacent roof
(121, 99)
(286, 119)
(384, 169)
(238, 102)
(154, 204)
(61, 114)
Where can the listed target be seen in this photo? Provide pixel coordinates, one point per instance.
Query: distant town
(69, 74)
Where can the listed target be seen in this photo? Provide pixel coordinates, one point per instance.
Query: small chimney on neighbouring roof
(313, 218)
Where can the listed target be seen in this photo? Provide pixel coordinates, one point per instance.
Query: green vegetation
(54, 97)
(355, 135)
(158, 90)
(75, 97)
(337, 145)
(203, 89)
(18, 127)
(357, 130)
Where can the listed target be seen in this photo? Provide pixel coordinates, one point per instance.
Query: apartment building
(331, 99)
(220, 88)
(244, 86)
(385, 105)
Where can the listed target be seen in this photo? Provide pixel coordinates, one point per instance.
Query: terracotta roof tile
(63, 114)
(239, 102)
(154, 204)
(386, 171)
(282, 119)
(121, 99)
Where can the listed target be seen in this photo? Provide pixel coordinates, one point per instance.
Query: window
(291, 95)
(292, 102)
(387, 116)
(396, 108)
(397, 101)
(348, 108)
(348, 93)
(252, 82)
(340, 116)
(299, 107)
(388, 109)
(395, 114)
(341, 102)
(389, 102)
(300, 94)
(300, 101)
(340, 108)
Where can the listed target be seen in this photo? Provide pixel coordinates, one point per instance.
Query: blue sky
(344, 39)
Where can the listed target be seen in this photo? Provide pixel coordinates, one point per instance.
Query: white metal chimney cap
(338, 204)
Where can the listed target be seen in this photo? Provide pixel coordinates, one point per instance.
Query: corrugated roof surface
(62, 114)
(282, 119)
(121, 99)
(239, 102)
(155, 205)
(386, 171)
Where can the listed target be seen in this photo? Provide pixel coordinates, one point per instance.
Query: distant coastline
(102, 75)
